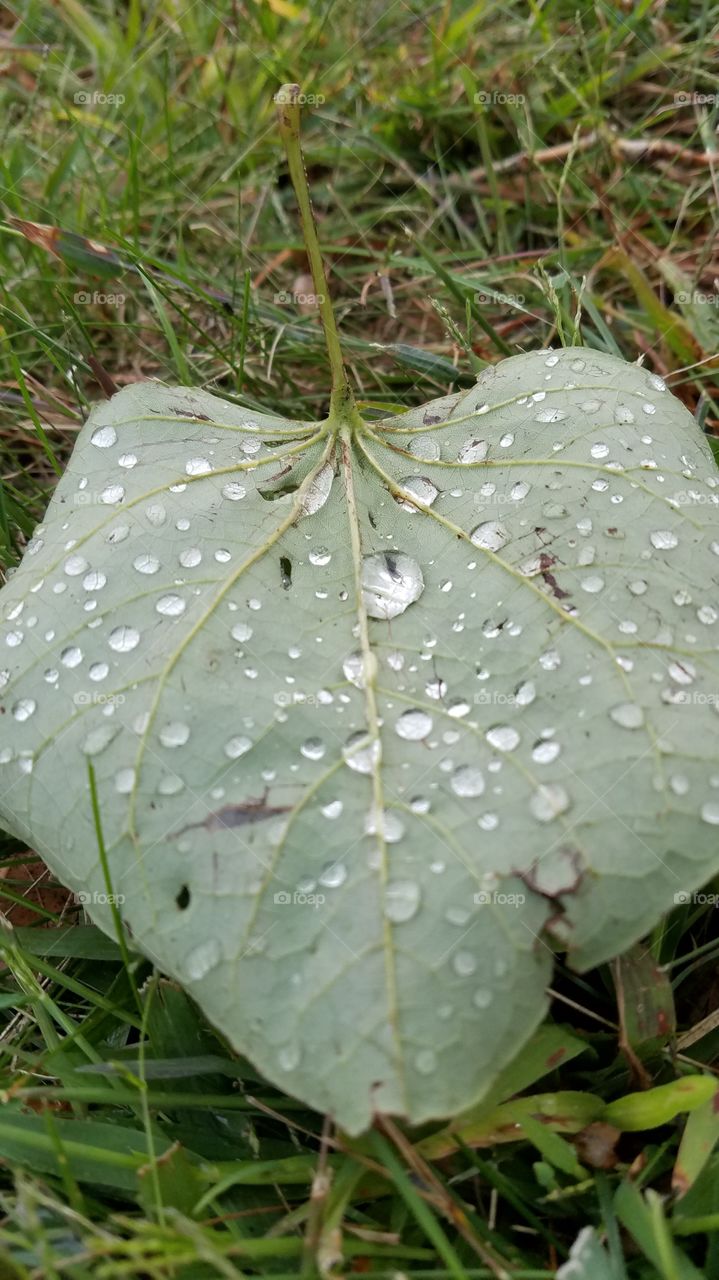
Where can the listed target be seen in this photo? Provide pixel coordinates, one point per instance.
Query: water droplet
(99, 738)
(234, 491)
(146, 563)
(548, 802)
(482, 998)
(241, 632)
(127, 460)
(473, 450)
(425, 448)
(318, 490)
(401, 900)
(174, 734)
(289, 1057)
(170, 606)
(197, 467)
(546, 752)
(201, 960)
(467, 781)
(490, 534)
(418, 487)
(190, 557)
(663, 539)
(413, 726)
(464, 963)
(313, 749)
(123, 639)
(355, 667)
(320, 556)
(332, 810)
(388, 824)
(124, 781)
(71, 657)
(75, 565)
(550, 415)
(628, 714)
(236, 747)
(390, 582)
(112, 494)
(24, 708)
(104, 437)
(599, 450)
(525, 694)
(426, 1062)
(503, 737)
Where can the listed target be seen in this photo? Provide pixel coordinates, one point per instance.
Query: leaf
(361, 747)
(588, 1260)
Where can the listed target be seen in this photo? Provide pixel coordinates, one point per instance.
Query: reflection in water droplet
(418, 487)
(390, 582)
(123, 639)
(490, 534)
(236, 747)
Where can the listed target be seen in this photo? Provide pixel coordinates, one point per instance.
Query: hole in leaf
(286, 572)
(183, 898)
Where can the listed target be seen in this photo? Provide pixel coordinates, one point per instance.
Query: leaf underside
(364, 759)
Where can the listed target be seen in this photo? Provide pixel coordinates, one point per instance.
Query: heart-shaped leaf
(377, 713)
(371, 708)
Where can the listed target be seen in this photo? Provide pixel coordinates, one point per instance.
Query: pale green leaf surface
(196, 643)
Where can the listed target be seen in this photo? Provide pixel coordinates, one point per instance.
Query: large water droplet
(490, 534)
(390, 582)
(503, 737)
(628, 714)
(361, 752)
(418, 487)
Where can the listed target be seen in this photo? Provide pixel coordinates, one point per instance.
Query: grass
(486, 179)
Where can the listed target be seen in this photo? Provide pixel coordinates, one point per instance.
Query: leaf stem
(342, 402)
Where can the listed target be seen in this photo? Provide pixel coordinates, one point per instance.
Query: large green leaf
(364, 759)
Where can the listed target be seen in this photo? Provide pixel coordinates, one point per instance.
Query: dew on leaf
(391, 581)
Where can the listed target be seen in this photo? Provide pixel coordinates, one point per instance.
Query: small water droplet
(413, 726)
(401, 900)
(628, 714)
(464, 963)
(503, 737)
(467, 781)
